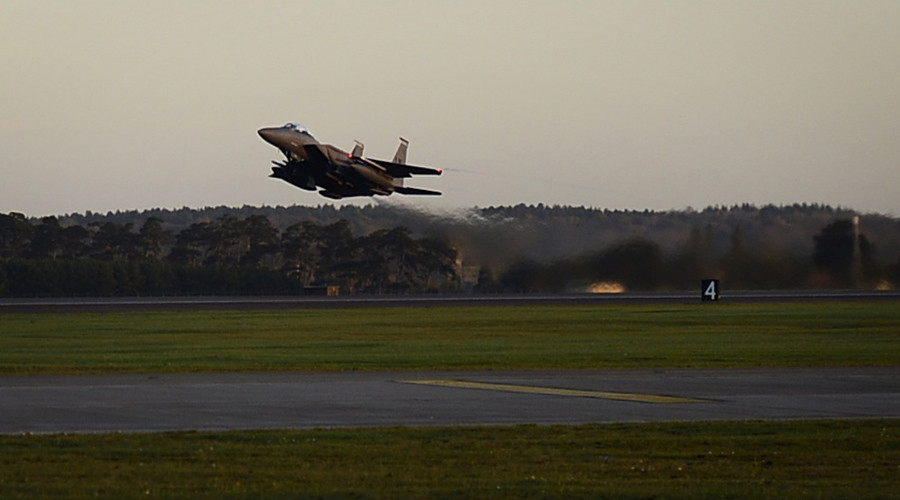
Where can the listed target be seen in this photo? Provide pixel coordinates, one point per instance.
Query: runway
(110, 304)
(242, 401)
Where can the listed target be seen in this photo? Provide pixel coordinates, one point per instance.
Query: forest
(397, 249)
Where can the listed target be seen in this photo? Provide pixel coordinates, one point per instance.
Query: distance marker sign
(709, 290)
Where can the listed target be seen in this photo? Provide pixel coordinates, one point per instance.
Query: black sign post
(709, 290)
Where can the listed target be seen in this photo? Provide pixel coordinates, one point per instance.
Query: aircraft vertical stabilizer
(400, 155)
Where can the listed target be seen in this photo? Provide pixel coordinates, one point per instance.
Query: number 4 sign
(709, 290)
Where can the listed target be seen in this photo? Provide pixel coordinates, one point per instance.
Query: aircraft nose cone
(268, 134)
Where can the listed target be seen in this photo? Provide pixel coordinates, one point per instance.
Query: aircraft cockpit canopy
(296, 127)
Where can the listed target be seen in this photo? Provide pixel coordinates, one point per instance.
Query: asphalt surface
(150, 403)
(108, 304)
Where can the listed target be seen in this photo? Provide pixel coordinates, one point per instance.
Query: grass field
(492, 338)
(837, 459)
(713, 460)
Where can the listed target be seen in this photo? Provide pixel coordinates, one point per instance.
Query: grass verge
(815, 459)
(469, 338)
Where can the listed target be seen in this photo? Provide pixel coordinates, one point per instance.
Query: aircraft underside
(333, 185)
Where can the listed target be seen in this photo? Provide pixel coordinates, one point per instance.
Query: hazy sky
(117, 105)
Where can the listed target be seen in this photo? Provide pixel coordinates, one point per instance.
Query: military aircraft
(311, 165)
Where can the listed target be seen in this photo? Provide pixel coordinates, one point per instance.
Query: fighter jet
(311, 165)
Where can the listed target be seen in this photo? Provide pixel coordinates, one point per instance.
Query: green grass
(842, 459)
(492, 338)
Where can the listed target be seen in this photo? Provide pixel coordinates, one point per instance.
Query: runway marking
(553, 391)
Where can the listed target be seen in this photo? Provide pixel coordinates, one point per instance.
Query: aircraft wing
(403, 170)
(315, 154)
(412, 190)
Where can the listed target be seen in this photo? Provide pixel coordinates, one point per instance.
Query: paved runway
(106, 304)
(144, 403)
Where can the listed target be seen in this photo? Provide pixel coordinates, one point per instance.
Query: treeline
(841, 258)
(496, 237)
(229, 255)
(394, 249)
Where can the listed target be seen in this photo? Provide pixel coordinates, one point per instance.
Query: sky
(660, 105)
